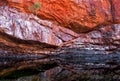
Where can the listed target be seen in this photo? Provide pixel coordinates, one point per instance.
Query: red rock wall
(78, 15)
(57, 21)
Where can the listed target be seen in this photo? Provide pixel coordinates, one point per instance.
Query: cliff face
(77, 15)
(58, 22)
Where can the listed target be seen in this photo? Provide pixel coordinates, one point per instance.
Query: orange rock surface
(77, 15)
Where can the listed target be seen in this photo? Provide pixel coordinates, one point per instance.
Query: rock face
(77, 15)
(54, 17)
(106, 38)
(71, 35)
(29, 27)
(58, 22)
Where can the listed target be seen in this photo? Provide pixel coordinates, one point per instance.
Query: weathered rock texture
(29, 27)
(78, 15)
(105, 38)
(49, 26)
(82, 30)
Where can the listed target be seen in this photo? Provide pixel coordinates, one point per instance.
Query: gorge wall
(58, 22)
(77, 15)
(71, 35)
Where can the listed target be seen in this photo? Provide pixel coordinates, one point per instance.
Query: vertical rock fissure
(112, 8)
